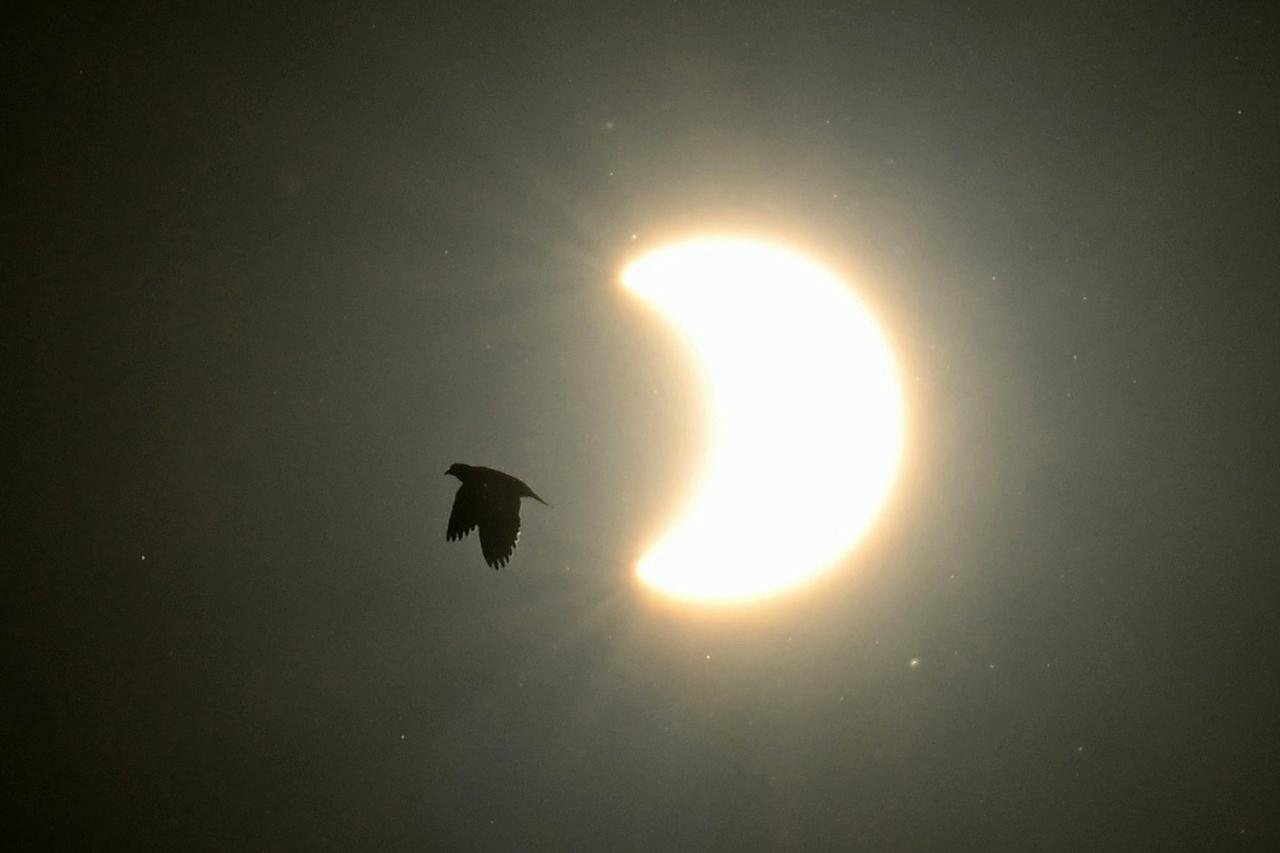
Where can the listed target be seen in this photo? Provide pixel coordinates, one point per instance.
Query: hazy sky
(272, 271)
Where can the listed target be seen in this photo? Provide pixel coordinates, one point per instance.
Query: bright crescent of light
(807, 417)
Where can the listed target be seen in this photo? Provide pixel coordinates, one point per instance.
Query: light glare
(807, 417)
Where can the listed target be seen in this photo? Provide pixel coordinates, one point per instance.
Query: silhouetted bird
(490, 500)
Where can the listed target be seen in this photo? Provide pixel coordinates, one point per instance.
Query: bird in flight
(490, 500)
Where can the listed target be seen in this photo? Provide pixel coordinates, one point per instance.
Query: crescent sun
(807, 417)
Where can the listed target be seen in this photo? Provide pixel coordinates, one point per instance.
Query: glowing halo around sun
(807, 417)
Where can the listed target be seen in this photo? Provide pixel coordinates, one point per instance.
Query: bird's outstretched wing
(499, 530)
(465, 515)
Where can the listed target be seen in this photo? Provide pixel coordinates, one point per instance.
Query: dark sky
(269, 272)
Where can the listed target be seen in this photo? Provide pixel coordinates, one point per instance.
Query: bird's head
(527, 492)
(458, 470)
